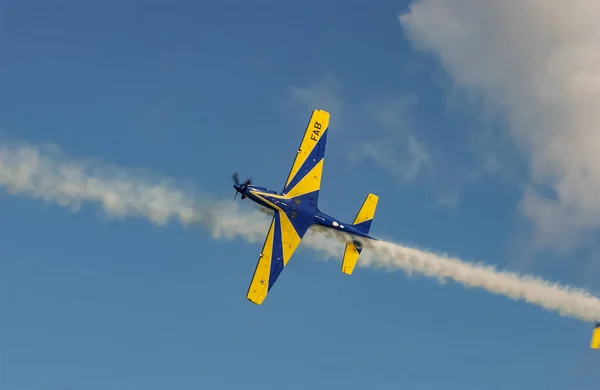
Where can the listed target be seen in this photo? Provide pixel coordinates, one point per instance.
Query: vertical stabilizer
(365, 215)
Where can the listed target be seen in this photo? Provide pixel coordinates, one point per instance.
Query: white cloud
(392, 145)
(324, 94)
(404, 160)
(455, 182)
(392, 113)
(391, 140)
(396, 149)
(538, 62)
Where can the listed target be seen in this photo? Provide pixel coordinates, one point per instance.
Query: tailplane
(362, 223)
(596, 337)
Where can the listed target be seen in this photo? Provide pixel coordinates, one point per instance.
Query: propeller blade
(236, 180)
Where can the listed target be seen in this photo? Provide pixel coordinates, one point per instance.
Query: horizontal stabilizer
(362, 223)
(596, 337)
(353, 249)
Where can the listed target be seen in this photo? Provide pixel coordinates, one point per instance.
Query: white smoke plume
(538, 62)
(43, 173)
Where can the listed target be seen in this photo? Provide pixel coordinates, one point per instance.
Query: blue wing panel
(277, 254)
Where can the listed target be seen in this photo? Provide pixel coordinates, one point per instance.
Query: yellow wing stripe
(367, 211)
(262, 195)
(310, 139)
(290, 239)
(260, 281)
(309, 183)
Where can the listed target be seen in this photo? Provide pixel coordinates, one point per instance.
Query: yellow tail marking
(257, 291)
(309, 183)
(312, 134)
(367, 211)
(350, 258)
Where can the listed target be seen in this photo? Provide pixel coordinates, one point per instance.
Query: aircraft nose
(237, 186)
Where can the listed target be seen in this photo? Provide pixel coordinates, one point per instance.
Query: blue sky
(196, 91)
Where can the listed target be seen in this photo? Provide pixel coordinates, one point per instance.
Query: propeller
(240, 188)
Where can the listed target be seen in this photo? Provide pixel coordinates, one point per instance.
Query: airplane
(595, 344)
(296, 210)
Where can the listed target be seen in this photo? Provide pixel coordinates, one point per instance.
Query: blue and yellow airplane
(296, 210)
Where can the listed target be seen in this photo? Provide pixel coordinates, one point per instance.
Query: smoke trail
(41, 172)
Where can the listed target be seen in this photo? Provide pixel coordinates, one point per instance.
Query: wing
(282, 240)
(305, 175)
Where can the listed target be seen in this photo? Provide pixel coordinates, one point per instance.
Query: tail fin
(596, 337)
(362, 223)
(365, 215)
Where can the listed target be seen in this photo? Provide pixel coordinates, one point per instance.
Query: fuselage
(291, 206)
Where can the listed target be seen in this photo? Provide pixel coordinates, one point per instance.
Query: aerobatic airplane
(296, 209)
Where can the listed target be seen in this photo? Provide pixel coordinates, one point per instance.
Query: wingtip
(254, 302)
(257, 299)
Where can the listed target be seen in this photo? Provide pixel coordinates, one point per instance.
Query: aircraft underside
(295, 210)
